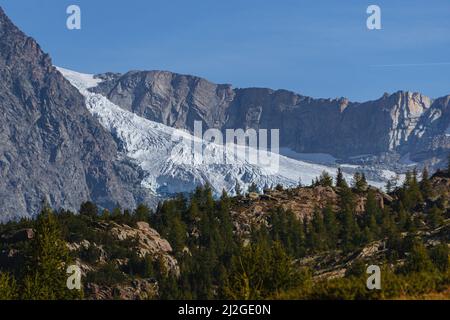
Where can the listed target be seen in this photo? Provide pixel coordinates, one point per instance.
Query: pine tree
(435, 217)
(177, 234)
(325, 180)
(261, 270)
(372, 215)
(142, 213)
(47, 278)
(425, 184)
(340, 180)
(105, 215)
(350, 232)
(440, 257)
(331, 226)
(360, 182)
(116, 213)
(8, 287)
(319, 230)
(89, 209)
(411, 195)
(418, 259)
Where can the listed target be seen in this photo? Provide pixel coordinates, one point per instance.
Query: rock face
(431, 136)
(148, 242)
(338, 127)
(50, 145)
(138, 289)
(253, 211)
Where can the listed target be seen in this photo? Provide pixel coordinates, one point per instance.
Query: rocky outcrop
(148, 242)
(138, 289)
(336, 264)
(253, 211)
(431, 136)
(50, 145)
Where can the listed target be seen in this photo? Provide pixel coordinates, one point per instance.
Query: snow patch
(167, 161)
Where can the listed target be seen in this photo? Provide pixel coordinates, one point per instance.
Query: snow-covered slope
(166, 156)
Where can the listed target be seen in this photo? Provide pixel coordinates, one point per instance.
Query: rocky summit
(404, 122)
(50, 145)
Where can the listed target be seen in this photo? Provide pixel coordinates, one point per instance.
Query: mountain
(50, 145)
(110, 138)
(169, 163)
(404, 123)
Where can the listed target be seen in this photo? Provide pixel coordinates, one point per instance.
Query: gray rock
(50, 145)
(334, 126)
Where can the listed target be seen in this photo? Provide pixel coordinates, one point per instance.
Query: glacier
(167, 161)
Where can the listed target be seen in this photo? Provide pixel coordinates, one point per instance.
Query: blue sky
(319, 48)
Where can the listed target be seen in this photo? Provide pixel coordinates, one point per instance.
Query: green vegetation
(216, 262)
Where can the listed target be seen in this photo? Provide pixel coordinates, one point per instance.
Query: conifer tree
(440, 257)
(350, 230)
(425, 184)
(319, 230)
(142, 213)
(47, 278)
(372, 214)
(89, 209)
(331, 226)
(360, 182)
(325, 180)
(435, 217)
(340, 180)
(418, 259)
(8, 287)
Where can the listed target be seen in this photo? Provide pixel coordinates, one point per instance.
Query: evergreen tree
(425, 184)
(360, 182)
(440, 257)
(142, 213)
(260, 270)
(320, 236)
(350, 233)
(116, 214)
(89, 209)
(325, 180)
(372, 215)
(106, 215)
(331, 227)
(410, 194)
(177, 234)
(418, 259)
(340, 180)
(8, 287)
(47, 278)
(435, 217)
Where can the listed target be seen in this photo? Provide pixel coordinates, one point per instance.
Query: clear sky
(320, 48)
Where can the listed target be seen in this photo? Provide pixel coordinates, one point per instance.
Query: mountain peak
(52, 147)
